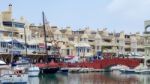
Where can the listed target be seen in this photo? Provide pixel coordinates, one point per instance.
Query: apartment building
(84, 43)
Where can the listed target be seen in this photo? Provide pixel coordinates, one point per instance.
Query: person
(13, 64)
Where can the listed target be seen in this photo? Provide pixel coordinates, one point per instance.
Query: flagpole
(46, 58)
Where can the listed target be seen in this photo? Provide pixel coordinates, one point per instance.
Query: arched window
(148, 28)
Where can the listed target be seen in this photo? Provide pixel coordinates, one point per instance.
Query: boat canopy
(2, 62)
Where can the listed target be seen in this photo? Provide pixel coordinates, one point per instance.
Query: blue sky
(115, 15)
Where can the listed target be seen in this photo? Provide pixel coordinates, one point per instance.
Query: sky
(115, 15)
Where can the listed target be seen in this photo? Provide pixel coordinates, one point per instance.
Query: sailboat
(13, 74)
(49, 66)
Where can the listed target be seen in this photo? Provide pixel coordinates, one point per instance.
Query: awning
(2, 62)
(15, 41)
(6, 39)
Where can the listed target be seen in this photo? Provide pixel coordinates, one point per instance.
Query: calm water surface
(91, 78)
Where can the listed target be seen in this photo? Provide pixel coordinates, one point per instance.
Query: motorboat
(127, 71)
(65, 69)
(142, 71)
(74, 69)
(33, 71)
(13, 76)
(48, 68)
(84, 70)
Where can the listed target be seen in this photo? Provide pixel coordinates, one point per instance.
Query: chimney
(10, 7)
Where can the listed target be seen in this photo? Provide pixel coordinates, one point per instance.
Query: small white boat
(9, 76)
(118, 67)
(75, 69)
(65, 69)
(127, 71)
(84, 70)
(33, 71)
(142, 71)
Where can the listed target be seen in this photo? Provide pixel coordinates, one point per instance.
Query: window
(68, 51)
(97, 47)
(16, 24)
(91, 40)
(3, 44)
(117, 41)
(21, 36)
(88, 50)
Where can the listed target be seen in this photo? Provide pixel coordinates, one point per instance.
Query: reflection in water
(34, 80)
(91, 78)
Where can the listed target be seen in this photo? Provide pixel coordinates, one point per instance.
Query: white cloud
(130, 8)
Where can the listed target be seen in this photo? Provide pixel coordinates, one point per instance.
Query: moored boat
(64, 69)
(127, 71)
(142, 71)
(9, 76)
(33, 71)
(74, 70)
(48, 68)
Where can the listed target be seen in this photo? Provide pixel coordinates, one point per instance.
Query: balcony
(3, 50)
(108, 44)
(127, 46)
(140, 46)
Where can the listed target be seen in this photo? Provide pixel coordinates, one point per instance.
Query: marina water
(91, 78)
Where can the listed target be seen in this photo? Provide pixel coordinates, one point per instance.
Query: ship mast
(46, 59)
(25, 38)
(12, 43)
